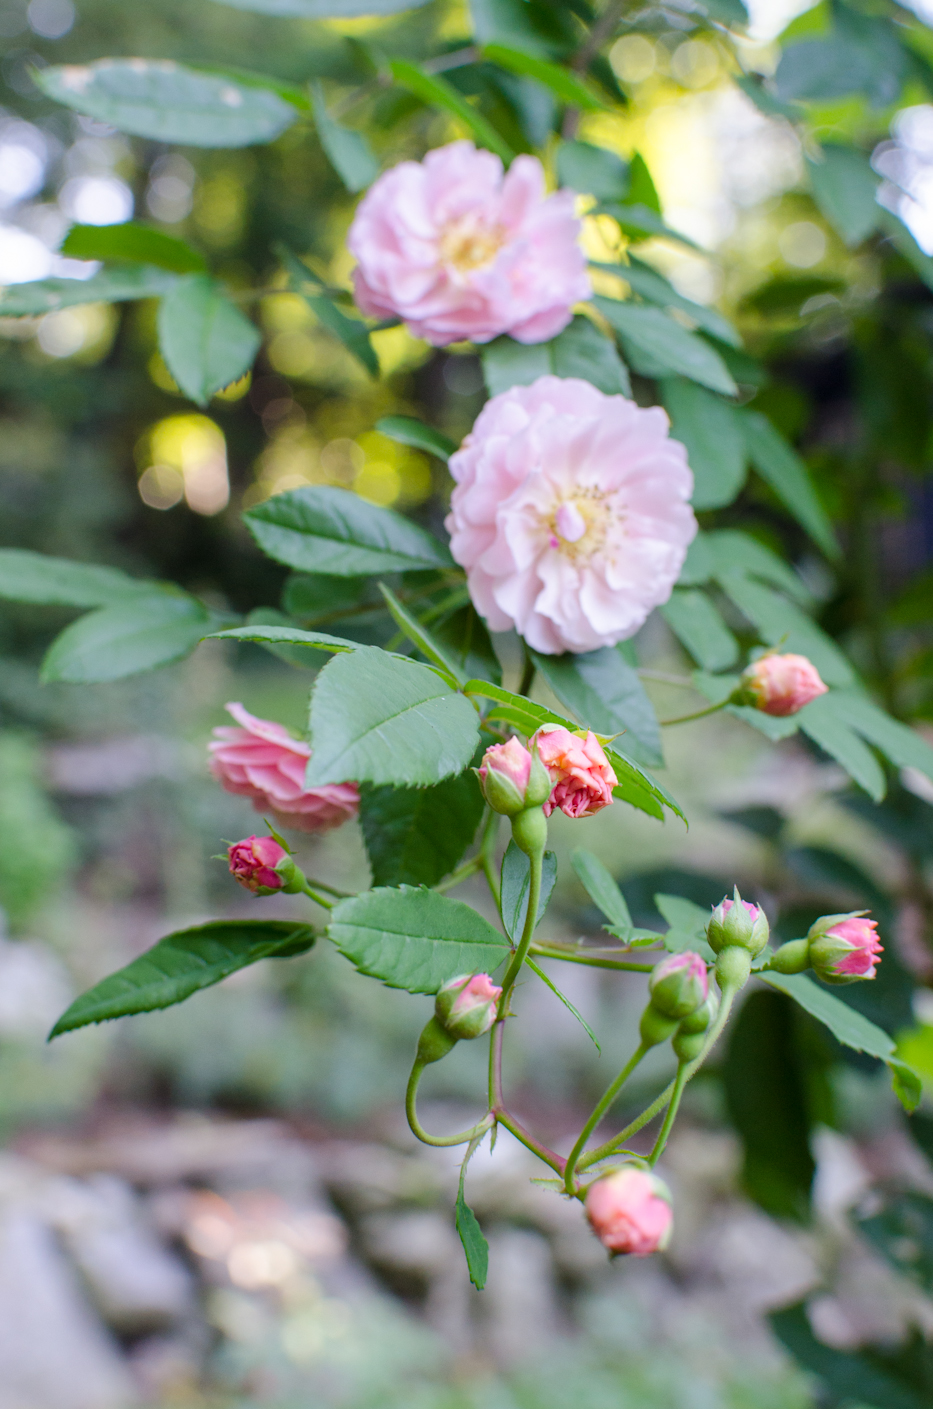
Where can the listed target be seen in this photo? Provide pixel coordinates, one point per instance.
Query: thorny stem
(548, 951)
(599, 1111)
(464, 1137)
(698, 714)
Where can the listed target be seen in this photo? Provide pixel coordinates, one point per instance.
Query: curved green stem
(680, 1081)
(464, 1137)
(487, 852)
(548, 951)
(307, 889)
(536, 860)
(599, 1111)
(463, 873)
(698, 714)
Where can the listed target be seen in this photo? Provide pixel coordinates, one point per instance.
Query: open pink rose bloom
(630, 1212)
(261, 760)
(571, 514)
(458, 250)
(581, 773)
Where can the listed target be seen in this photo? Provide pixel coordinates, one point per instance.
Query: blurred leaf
(528, 25)
(265, 633)
(567, 86)
(438, 93)
(132, 241)
(507, 363)
(786, 295)
(697, 624)
(206, 341)
(113, 642)
(309, 595)
(730, 12)
(825, 727)
(378, 719)
(331, 531)
(407, 431)
(862, 54)
(59, 582)
(900, 1378)
(650, 285)
(648, 330)
(416, 836)
(641, 222)
(465, 639)
(845, 189)
(183, 963)
(471, 1236)
(581, 350)
(413, 938)
(782, 468)
(905, 747)
(350, 331)
(421, 637)
(325, 9)
(516, 878)
(688, 924)
(167, 102)
(781, 621)
(729, 549)
(601, 888)
(592, 171)
(711, 431)
(758, 92)
(642, 190)
(767, 1102)
(606, 695)
(347, 150)
(565, 1000)
(107, 286)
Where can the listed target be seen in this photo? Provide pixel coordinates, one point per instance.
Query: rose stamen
(580, 526)
(468, 244)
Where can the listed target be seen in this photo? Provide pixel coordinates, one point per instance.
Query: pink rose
(846, 950)
(466, 1005)
(458, 251)
(253, 862)
(746, 927)
(262, 761)
(679, 984)
(504, 775)
(630, 1211)
(580, 772)
(781, 684)
(570, 513)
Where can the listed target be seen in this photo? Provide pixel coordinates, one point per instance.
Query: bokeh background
(220, 1205)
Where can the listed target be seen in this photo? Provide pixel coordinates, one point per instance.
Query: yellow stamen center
(467, 244)
(579, 526)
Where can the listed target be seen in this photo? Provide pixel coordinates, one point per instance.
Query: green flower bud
(529, 830)
(738, 922)
(434, 1043)
(791, 958)
(655, 1027)
(466, 1005)
(678, 984)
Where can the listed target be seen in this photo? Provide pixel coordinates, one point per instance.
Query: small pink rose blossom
(504, 775)
(848, 950)
(570, 513)
(261, 760)
(630, 1212)
(781, 684)
(466, 1005)
(679, 984)
(457, 250)
(581, 774)
(253, 862)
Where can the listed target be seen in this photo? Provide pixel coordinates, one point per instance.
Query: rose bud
(466, 1005)
(254, 862)
(512, 778)
(844, 948)
(690, 1036)
(779, 684)
(582, 779)
(630, 1211)
(678, 985)
(738, 922)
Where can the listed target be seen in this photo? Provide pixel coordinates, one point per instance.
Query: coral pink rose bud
(503, 776)
(844, 948)
(581, 776)
(458, 250)
(261, 760)
(630, 1211)
(253, 862)
(780, 684)
(740, 923)
(466, 1005)
(679, 985)
(570, 513)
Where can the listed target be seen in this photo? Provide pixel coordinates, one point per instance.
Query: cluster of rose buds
(465, 1007)
(838, 948)
(678, 1001)
(629, 1210)
(559, 769)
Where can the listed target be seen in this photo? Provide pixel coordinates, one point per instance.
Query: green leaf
(308, 596)
(350, 331)
(438, 93)
(113, 642)
(407, 431)
(134, 242)
(516, 878)
(416, 836)
(266, 634)
(711, 431)
(421, 637)
(671, 347)
(474, 1244)
(414, 938)
(652, 286)
(845, 189)
(906, 1084)
(107, 286)
(780, 621)
(325, 9)
(592, 171)
(606, 695)
(698, 625)
(326, 530)
(507, 363)
(903, 1233)
(467, 642)
(640, 222)
(181, 964)
(206, 341)
(782, 468)
(347, 151)
(565, 85)
(167, 102)
(688, 923)
(517, 710)
(565, 1000)
(728, 548)
(821, 721)
(902, 745)
(581, 350)
(897, 1378)
(601, 888)
(642, 190)
(639, 789)
(59, 582)
(378, 719)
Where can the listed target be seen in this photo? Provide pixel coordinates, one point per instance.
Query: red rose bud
(512, 778)
(738, 922)
(678, 985)
(844, 948)
(630, 1211)
(466, 1005)
(779, 684)
(253, 863)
